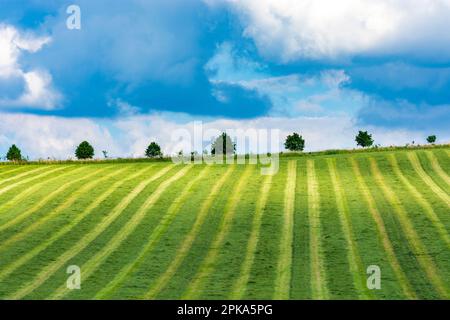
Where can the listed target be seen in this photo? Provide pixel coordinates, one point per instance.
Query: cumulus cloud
(57, 137)
(36, 83)
(403, 114)
(54, 137)
(292, 94)
(288, 30)
(124, 108)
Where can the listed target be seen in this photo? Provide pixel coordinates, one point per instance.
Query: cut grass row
(226, 232)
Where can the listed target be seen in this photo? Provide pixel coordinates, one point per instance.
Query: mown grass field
(160, 231)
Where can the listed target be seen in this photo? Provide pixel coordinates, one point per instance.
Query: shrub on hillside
(364, 139)
(431, 139)
(84, 151)
(153, 150)
(223, 145)
(14, 153)
(294, 142)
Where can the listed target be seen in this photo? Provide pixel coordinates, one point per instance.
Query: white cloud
(328, 29)
(292, 94)
(124, 108)
(38, 91)
(55, 137)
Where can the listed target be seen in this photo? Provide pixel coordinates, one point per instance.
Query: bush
(84, 151)
(223, 145)
(364, 139)
(14, 154)
(294, 142)
(153, 151)
(431, 139)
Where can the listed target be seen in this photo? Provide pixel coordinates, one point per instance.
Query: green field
(161, 231)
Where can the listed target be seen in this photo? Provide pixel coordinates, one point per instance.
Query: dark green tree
(364, 139)
(223, 145)
(84, 151)
(14, 154)
(294, 142)
(431, 139)
(153, 150)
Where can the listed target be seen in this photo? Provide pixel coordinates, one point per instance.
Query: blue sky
(382, 65)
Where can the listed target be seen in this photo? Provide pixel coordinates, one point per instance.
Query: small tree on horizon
(294, 142)
(431, 139)
(84, 151)
(364, 139)
(153, 150)
(14, 154)
(223, 145)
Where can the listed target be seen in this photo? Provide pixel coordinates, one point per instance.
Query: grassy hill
(160, 231)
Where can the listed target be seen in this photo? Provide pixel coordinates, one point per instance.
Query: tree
(295, 142)
(153, 150)
(84, 151)
(14, 153)
(223, 145)
(364, 139)
(431, 139)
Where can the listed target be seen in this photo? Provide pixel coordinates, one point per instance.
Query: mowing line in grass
(10, 171)
(318, 276)
(427, 208)
(426, 178)
(42, 202)
(354, 259)
(64, 205)
(207, 265)
(24, 181)
(419, 249)
(7, 270)
(95, 262)
(383, 235)
(33, 188)
(183, 250)
(154, 238)
(240, 285)
(26, 173)
(284, 270)
(50, 269)
(436, 166)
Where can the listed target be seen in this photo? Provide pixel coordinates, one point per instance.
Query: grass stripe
(154, 238)
(207, 265)
(240, 286)
(418, 248)
(436, 167)
(34, 188)
(28, 180)
(93, 263)
(387, 245)
(183, 250)
(3, 172)
(284, 269)
(353, 257)
(7, 270)
(19, 176)
(66, 204)
(318, 277)
(50, 269)
(427, 208)
(426, 178)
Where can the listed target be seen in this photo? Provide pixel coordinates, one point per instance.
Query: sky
(137, 71)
